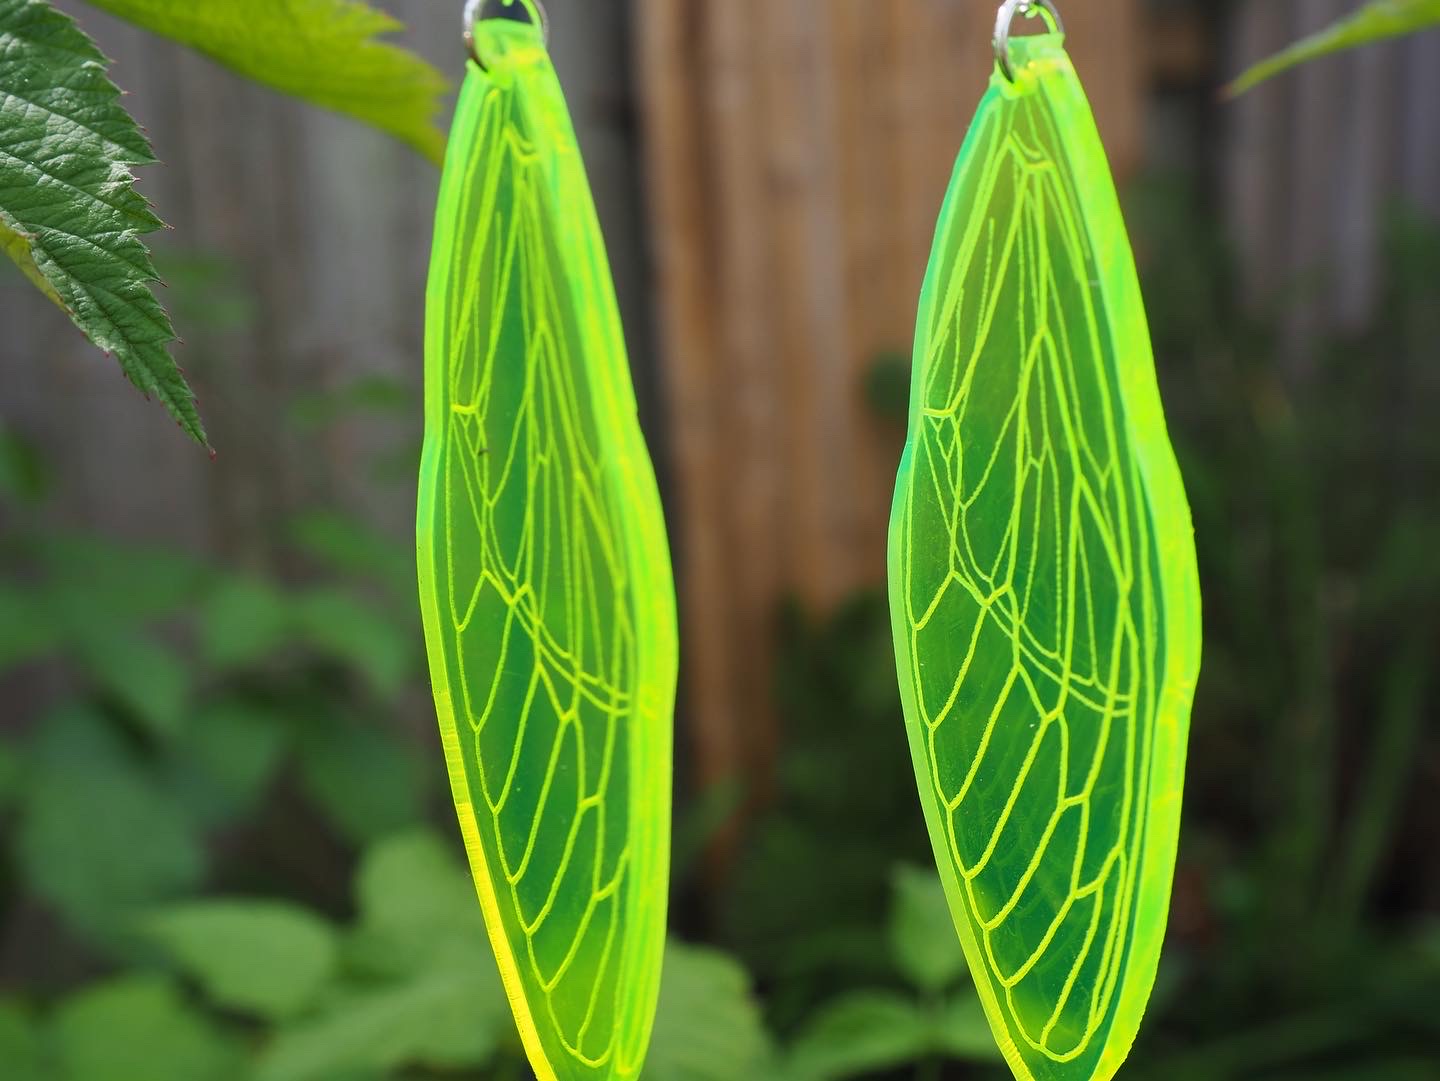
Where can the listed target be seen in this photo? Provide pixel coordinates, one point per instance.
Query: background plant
(227, 846)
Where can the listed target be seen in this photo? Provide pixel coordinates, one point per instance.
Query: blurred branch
(1377, 21)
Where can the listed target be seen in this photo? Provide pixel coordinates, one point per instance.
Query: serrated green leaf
(708, 1025)
(1376, 21)
(68, 205)
(16, 245)
(260, 957)
(324, 51)
(139, 1027)
(922, 934)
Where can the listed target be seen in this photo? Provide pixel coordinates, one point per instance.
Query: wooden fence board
(797, 155)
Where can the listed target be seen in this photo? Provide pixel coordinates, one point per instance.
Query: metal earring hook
(1006, 17)
(534, 8)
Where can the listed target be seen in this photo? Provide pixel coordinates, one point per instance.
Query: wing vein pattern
(545, 575)
(1043, 583)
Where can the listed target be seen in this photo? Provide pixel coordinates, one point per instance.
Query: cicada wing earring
(545, 581)
(1043, 588)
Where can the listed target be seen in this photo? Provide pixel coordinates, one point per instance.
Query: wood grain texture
(796, 157)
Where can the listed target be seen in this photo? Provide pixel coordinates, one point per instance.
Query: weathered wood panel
(797, 154)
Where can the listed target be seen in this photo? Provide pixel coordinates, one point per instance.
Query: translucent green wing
(544, 575)
(1043, 585)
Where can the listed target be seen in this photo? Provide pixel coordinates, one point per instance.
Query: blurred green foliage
(1304, 925)
(226, 752)
(1379, 20)
(229, 852)
(185, 815)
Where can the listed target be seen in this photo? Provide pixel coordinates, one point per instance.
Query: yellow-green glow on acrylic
(1044, 597)
(545, 580)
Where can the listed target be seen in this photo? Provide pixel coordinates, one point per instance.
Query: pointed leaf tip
(327, 52)
(86, 254)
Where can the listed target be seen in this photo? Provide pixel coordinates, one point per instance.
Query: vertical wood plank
(797, 156)
(673, 44)
(752, 445)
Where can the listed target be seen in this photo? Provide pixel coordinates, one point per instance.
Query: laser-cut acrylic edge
(659, 577)
(1043, 67)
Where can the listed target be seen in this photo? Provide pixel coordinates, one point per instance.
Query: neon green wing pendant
(1043, 586)
(545, 580)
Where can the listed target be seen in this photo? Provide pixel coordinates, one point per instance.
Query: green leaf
(27, 630)
(417, 908)
(69, 212)
(225, 758)
(98, 837)
(241, 622)
(360, 636)
(259, 957)
(368, 781)
(16, 245)
(321, 50)
(867, 1032)
(858, 1034)
(445, 1019)
(95, 580)
(1376, 21)
(922, 934)
(141, 675)
(351, 547)
(708, 1025)
(139, 1027)
(420, 930)
(20, 1047)
(963, 1032)
(419, 914)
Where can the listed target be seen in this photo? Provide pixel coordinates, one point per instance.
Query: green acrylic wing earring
(545, 581)
(1043, 587)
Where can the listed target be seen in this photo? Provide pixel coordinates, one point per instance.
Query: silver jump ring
(1006, 16)
(472, 14)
